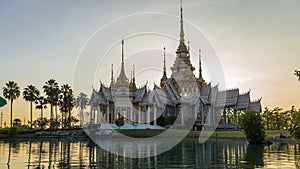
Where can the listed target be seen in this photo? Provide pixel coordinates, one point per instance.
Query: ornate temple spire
(165, 74)
(122, 42)
(122, 52)
(182, 47)
(122, 63)
(201, 81)
(200, 68)
(133, 76)
(181, 24)
(132, 85)
(112, 72)
(164, 78)
(112, 81)
(122, 79)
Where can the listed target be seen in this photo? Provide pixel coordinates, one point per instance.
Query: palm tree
(81, 102)
(297, 73)
(66, 102)
(11, 92)
(41, 104)
(51, 89)
(17, 122)
(30, 94)
(56, 103)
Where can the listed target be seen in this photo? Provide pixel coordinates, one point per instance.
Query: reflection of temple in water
(65, 153)
(140, 105)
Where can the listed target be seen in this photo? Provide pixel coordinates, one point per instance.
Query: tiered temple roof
(169, 92)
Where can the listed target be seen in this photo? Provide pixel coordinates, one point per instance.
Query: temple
(122, 98)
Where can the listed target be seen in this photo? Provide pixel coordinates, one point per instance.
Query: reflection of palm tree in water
(50, 153)
(9, 154)
(29, 154)
(80, 154)
(40, 153)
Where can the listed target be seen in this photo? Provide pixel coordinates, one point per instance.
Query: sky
(254, 43)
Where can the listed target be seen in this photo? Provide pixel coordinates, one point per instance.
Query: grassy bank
(218, 133)
(151, 133)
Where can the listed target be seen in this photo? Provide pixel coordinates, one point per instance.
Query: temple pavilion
(122, 98)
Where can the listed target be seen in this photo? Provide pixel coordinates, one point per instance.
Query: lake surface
(215, 153)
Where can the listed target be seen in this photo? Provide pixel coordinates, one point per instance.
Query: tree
(30, 94)
(17, 123)
(161, 121)
(251, 122)
(11, 92)
(41, 103)
(81, 102)
(295, 126)
(170, 120)
(74, 120)
(278, 118)
(297, 73)
(267, 117)
(41, 122)
(51, 89)
(66, 103)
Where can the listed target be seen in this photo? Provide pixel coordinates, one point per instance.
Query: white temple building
(208, 105)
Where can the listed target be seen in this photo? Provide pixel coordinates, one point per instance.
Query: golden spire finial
(112, 72)
(200, 70)
(133, 74)
(182, 47)
(164, 77)
(201, 80)
(122, 50)
(181, 24)
(164, 60)
(122, 79)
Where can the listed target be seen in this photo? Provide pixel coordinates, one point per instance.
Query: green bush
(13, 131)
(170, 120)
(160, 121)
(252, 124)
(119, 121)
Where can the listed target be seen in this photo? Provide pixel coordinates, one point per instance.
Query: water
(68, 153)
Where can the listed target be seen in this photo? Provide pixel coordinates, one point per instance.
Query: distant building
(140, 105)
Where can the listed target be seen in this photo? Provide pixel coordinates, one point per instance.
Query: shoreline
(80, 134)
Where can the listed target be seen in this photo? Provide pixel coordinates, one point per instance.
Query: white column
(195, 111)
(139, 114)
(91, 115)
(154, 111)
(98, 115)
(131, 114)
(182, 115)
(209, 116)
(202, 114)
(107, 114)
(148, 114)
(94, 116)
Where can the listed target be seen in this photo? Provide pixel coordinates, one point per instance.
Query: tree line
(60, 99)
(277, 118)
